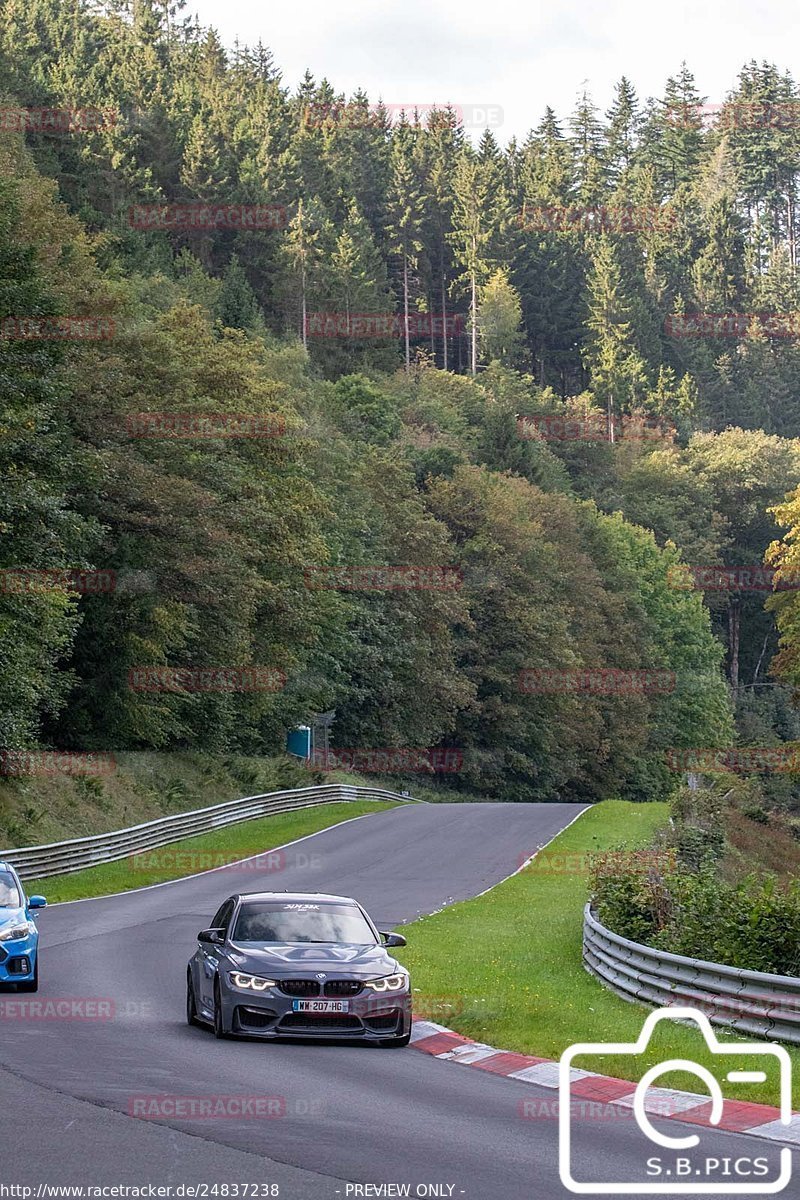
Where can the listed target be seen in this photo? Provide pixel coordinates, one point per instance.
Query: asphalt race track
(344, 1114)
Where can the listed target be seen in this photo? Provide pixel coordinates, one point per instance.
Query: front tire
(191, 1003)
(220, 1031)
(31, 985)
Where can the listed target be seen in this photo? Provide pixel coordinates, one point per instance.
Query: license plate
(321, 1006)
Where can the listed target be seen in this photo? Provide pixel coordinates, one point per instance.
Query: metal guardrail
(62, 858)
(752, 1002)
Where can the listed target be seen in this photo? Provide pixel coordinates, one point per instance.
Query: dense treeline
(600, 228)
(212, 540)
(391, 453)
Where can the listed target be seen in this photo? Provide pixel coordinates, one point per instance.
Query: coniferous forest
(563, 372)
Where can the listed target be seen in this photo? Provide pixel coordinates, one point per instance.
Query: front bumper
(18, 959)
(371, 1016)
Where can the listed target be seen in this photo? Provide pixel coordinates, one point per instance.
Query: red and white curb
(757, 1120)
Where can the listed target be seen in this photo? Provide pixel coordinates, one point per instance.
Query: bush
(753, 924)
(697, 847)
(629, 894)
(689, 896)
(756, 812)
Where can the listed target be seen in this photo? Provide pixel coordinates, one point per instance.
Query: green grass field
(202, 852)
(505, 968)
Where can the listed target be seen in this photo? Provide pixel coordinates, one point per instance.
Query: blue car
(19, 937)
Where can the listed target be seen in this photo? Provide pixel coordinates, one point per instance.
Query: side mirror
(214, 937)
(37, 902)
(393, 939)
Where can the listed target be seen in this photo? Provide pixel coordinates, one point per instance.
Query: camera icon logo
(678, 1171)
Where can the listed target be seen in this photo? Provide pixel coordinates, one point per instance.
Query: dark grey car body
(321, 989)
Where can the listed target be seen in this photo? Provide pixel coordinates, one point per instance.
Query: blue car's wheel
(31, 985)
(219, 1022)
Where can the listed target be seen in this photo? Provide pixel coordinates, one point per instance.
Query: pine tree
(405, 218)
(624, 121)
(204, 172)
(357, 153)
(554, 181)
(500, 319)
(716, 272)
(238, 307)
(618, 371)
(759, 123)
(673, 133)
(587, 148)
(441, 147)
(303, 246)
(481, 218)
(357, 276)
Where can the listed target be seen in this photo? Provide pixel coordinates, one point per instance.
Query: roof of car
(303, 897)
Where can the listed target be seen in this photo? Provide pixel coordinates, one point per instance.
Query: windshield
(286, 922)
(9, 892)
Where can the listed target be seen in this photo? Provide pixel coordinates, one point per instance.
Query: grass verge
(203, 852)
(505, 968)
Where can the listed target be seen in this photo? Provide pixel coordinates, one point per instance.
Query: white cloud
(510, 53)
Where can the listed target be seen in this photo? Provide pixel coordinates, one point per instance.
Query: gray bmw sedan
(298, 964)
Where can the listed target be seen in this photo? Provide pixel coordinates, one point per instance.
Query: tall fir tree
(405, 217)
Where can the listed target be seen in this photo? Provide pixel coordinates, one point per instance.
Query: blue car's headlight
(255, 983)
(387, 983)
(16, 932)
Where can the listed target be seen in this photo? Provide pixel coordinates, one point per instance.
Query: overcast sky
(506, 57)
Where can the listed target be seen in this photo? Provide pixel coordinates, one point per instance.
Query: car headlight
(387, 983)
(255, 983)
(14, 932)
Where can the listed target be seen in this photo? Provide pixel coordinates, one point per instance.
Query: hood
(290, 961)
